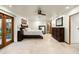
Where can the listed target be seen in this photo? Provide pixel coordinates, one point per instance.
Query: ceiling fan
(40, 12)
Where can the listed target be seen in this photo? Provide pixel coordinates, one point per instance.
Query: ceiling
(49, 10)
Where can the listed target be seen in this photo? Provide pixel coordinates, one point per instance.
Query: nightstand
(19, 36)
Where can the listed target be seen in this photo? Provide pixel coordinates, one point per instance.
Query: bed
(28, 33)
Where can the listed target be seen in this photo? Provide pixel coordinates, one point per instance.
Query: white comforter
(32, 32)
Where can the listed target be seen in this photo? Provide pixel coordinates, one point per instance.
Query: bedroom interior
(37, 28)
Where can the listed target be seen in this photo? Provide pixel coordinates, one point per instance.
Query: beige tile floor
(48, 45)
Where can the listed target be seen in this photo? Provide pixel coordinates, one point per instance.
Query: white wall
(54, 23)
(36, 20)
(66, 26)
(17, 22)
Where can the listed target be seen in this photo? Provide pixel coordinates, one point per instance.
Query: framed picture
(59, 21)
(43, 28)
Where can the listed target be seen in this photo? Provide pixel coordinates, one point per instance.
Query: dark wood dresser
(58, 33)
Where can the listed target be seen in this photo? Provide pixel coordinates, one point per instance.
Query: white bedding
(32, 32)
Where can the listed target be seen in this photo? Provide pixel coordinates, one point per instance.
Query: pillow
(27, 29)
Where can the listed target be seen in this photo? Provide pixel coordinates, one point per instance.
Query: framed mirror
(59, 21)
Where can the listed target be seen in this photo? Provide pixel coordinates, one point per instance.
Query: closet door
(1, 31)
(9, 29)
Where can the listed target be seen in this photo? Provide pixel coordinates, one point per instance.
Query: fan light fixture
(40, 11)
(10, 6)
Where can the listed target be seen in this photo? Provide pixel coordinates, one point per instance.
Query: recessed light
(10, 6)
(67, 7)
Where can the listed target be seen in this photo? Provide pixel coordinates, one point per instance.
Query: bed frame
(30, 36)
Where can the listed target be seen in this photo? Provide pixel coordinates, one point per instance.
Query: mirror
(59, 21)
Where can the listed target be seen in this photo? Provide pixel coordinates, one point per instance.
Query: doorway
(6, 29)
(49, 27)
(74, 28)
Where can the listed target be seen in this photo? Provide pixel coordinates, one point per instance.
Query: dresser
(58, 33)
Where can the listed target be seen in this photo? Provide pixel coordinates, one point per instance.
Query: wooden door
(49, 28)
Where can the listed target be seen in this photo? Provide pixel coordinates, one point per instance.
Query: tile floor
(48, 45)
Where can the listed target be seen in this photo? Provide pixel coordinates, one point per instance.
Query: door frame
(70, 27)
